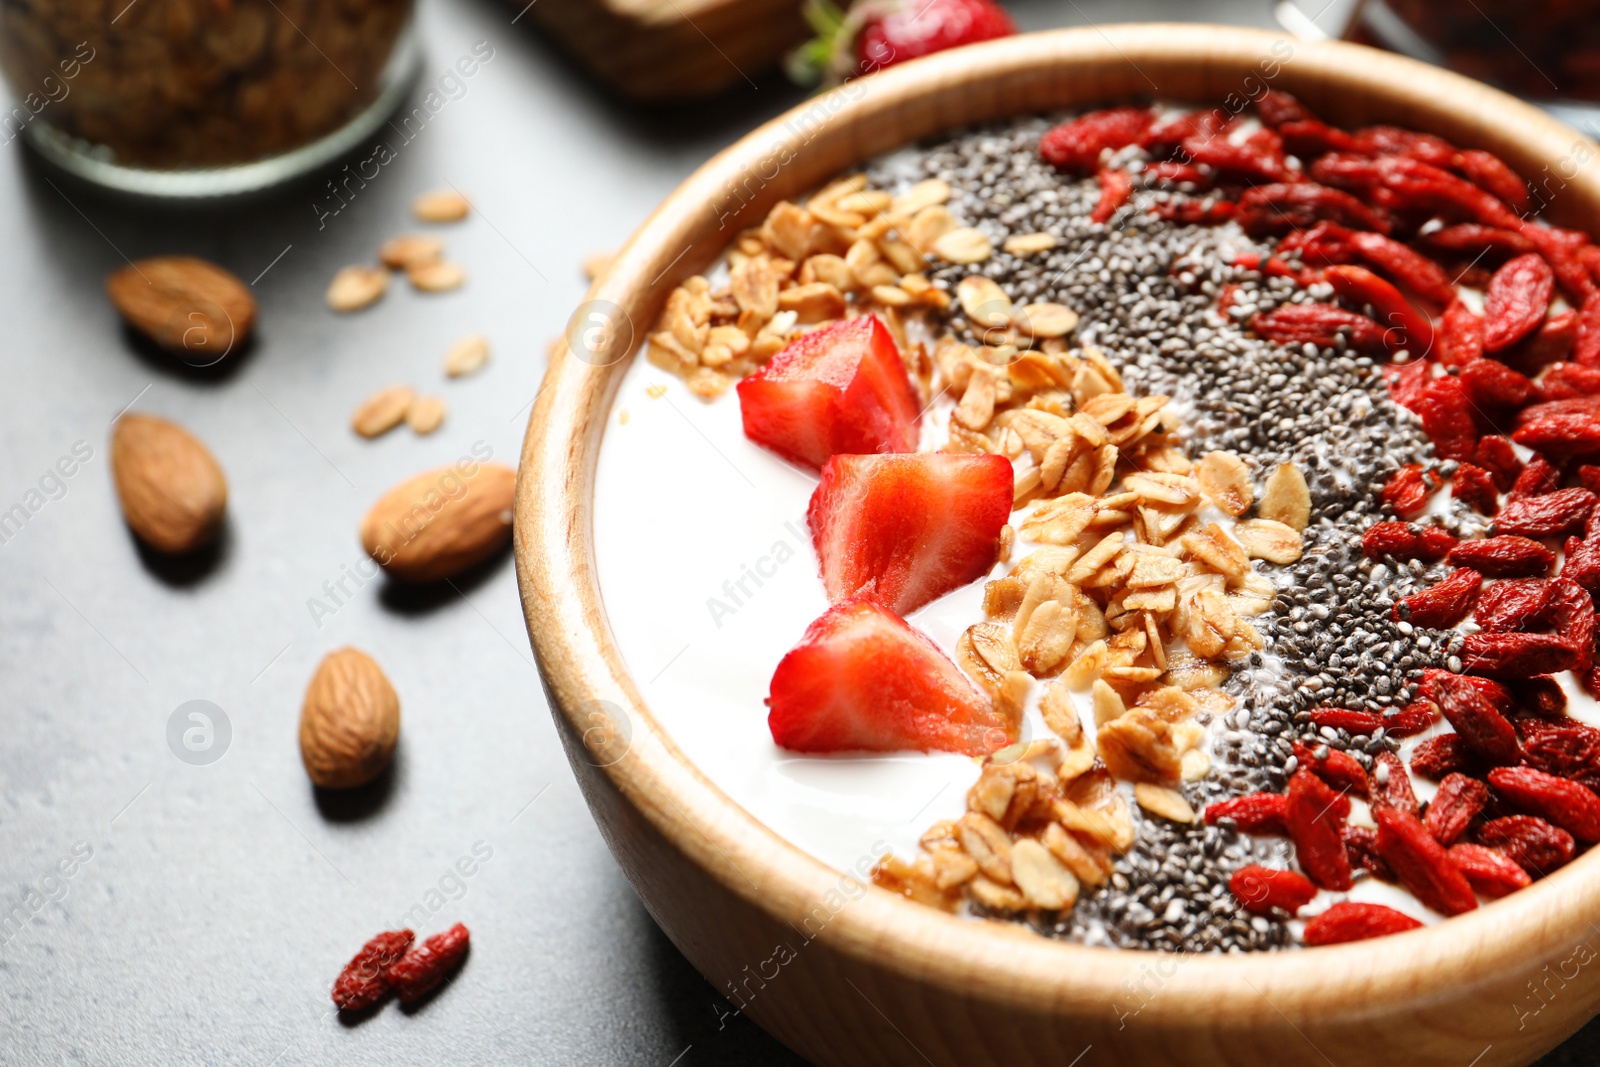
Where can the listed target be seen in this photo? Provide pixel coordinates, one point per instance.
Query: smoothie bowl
(1081, 547)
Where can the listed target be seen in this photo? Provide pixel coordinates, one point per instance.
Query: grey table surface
(157, 911)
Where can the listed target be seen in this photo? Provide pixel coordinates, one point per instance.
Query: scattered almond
(173, 493)
(436, 277)
(441, 205)
(350, 721)
(410, 250)
(354, 288)
(383, 410)
(467, 356)
(426, 414)
(189, 307)
(442, 522)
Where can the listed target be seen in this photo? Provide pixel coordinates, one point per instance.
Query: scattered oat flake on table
(410, 250)
(383, 410)
(441, 205)
(436, 277)
(596, 264)
(467, 356)
(354, 288)
(425, 414)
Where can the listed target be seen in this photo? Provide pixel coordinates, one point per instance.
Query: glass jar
(201, 97)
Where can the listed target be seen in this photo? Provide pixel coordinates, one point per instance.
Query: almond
(441, 205)
(350, 721)
(441, 523)
(410, 250)
(173, 493)
(189, 307)
(383, 410)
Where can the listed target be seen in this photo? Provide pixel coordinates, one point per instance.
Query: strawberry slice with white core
(839, 389)
(863, 680)
(903, 530)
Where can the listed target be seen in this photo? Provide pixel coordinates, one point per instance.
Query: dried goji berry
(1438, 757)
(1474, 487)
(1408, 382)
(362, 983)
(1390, 785)
(1539, 476)
(1490, 173)
(1311, 814)
(1398, 141)
(1516, 655)
(1563, 433)
(1547, 515)
(1489, 872)
(1349, 921)
(1586, 340)
(1570, 612)
(1581, 405)
(1496, 693)
(1459, 338)
(1496, 454)
(1323, 325)
(1512, 605)
(1339, 769)
(1260, 158)
(1562, 251)
(1529, 842)
(1405, 265)
(1253, 813)
(1187, 211)
(1407, 491)
(1582, 563)
(1559, 801)
(1408, 328)
(1361, 848)
(1567, 750)
(1171, 130)
(1563, 381)
(1542, 696)
(1491, 383)
(1261, 889)
(1076, 145)
(1115, 188)
(424, 967)
(1324, 244)
(1487, 733)
(1589, 478)
(1308, 138)
(1475, 239)
(1404, 540)
(1417, 185)
(1348, 720)
(1447, 416)
(1454, 806)
(1444, 604)
(1412, 719)
(1517, 301)
(1275, 107)
(1505, 556)
(1421, 863)
(1171, 172)
(1283, 206)
(1551, 343)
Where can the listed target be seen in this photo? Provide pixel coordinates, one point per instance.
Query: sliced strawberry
(903, 530)
(838, 389)
(861, 679)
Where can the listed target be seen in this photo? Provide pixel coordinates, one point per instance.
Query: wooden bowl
(845, 974)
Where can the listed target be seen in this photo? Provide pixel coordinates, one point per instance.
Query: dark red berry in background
(363, 981)
(421, 970)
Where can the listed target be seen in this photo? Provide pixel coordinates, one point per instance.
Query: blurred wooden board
(665, 51)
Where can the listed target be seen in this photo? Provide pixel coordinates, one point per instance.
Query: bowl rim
(589, 684)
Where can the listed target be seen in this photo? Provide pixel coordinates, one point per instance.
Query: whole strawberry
(875, 34)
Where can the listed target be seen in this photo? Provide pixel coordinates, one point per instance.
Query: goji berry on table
(1253, 813)
(1474, 487)
(1313, 818)
(1489, 872)
(1077, 145)
(1339, 769)
(1459, 800)
(1421, 863)
(1444, 604)
(1497, 455)
(1349, 921)
(1504, 556)
(1407, 490)
(1547, 515)
(1448, 418)
(1558, 801)
(1261, 889)
(1405, 540)
(1487, 733)
(1115, 188)
(1439, 757)
(1323, 325)
(1516, 655)
(1517, 301)
(1512, 605)
(1529, 842)
(363, 981)
(421, 970)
